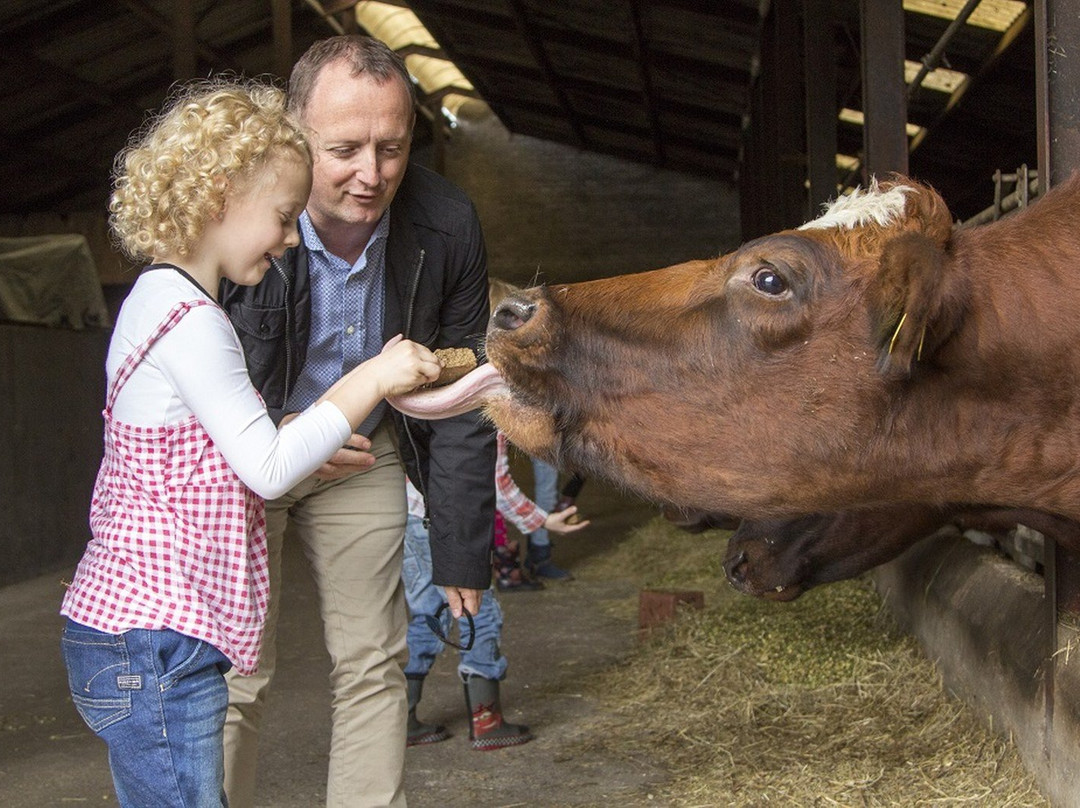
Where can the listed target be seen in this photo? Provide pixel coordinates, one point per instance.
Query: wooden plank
(884, 93)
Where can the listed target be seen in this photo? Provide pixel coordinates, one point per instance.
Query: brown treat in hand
(456, 363)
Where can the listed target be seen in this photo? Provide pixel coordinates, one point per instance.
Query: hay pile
(817, 702)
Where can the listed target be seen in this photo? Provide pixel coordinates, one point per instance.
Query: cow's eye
(767, 281)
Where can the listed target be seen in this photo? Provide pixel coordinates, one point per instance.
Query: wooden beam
(788, 108)
(641, 58)
(1057, 100)
(338, 6)
(884, 94)
(819, 71)
(148, 15)
(281, 11)
(183, 33)
(1057, 89)
(539, 54)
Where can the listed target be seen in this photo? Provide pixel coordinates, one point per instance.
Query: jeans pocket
(99, 675)
(180, 656)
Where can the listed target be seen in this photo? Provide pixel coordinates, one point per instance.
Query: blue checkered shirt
(347, 307)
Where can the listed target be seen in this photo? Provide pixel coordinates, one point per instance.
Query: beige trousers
(352, 532)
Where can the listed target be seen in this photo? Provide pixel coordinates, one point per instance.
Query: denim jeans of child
(546, 484)
(424, 598)
(158, 700)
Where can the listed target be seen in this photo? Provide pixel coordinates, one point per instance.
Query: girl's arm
(521, 511)
(516, 508)
(202, 359)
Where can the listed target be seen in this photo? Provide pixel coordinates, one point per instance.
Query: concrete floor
(552, 638)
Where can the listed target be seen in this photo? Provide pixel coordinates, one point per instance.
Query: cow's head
(779, 559)
(713, 384)
(791, 337)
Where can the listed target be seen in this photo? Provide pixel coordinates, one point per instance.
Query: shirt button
(350, 330)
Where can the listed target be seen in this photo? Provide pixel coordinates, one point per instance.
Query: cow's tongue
(467, 393)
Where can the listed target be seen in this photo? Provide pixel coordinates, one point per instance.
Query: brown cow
(873, 356)
(779, 559)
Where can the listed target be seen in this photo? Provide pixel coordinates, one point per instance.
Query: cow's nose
(736, 568)
(512, 313)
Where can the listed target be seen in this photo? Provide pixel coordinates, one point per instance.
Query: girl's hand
(402, 366)
(556, 521)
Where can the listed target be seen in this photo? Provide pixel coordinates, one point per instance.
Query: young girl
(172, 589)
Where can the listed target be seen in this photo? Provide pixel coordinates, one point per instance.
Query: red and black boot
(487, 729)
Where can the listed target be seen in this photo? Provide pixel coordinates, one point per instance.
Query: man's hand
(352, 458)
(460, 599)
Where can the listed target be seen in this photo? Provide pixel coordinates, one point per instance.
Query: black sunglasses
(435, 624)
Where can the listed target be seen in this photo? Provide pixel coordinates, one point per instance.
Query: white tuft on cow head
(860, 208)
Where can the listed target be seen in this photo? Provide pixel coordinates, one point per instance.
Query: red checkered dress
(178, 541)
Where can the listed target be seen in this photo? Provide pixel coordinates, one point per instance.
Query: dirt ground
(552, 639)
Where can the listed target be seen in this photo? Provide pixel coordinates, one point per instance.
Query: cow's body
(780, 559)
(874, 356)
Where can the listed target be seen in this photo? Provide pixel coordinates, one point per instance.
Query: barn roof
(663, 81)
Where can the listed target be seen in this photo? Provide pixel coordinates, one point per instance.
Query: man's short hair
(363, 54)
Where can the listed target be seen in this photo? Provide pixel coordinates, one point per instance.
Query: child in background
(538, 555)
(483, 666)
(172, 588)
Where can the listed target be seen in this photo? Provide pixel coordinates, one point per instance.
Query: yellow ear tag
(896, 333)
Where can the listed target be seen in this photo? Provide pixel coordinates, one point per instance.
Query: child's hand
(557, 521)
(404, 365)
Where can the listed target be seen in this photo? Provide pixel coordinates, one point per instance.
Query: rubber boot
(539, 564)
(419, 733)
(487, 729)
(509, 576)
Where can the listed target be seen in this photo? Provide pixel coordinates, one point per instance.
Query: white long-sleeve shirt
(198, 368)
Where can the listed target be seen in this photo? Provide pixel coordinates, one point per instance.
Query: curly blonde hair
(174, 175)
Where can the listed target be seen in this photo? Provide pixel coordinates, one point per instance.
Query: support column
(1057, 96)
(885, 143)
(821, 107)
(282, 32)
(184, 62)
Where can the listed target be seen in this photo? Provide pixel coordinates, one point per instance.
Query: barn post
(819, 71)
(751, 171)
(184, 62)
(776, 176)
(884, 95)
(789, 110)
(1057, 98)
(281, 15)
(1057, 109)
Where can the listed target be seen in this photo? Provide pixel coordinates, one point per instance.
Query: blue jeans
(424, 598)
(158, 700)
(546, 482)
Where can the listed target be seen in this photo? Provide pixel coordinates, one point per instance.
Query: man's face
(361, 136)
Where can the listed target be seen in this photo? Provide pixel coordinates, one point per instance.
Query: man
(387, 248)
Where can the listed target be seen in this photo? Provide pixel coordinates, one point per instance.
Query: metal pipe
(1017, 199)
(931, 60)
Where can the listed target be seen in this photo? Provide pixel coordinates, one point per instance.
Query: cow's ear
(916, 303)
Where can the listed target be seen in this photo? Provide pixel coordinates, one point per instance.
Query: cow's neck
(1004, 414)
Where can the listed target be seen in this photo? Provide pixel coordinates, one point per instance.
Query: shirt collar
(314, 243)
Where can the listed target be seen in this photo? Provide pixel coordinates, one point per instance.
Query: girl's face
(259, 220)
